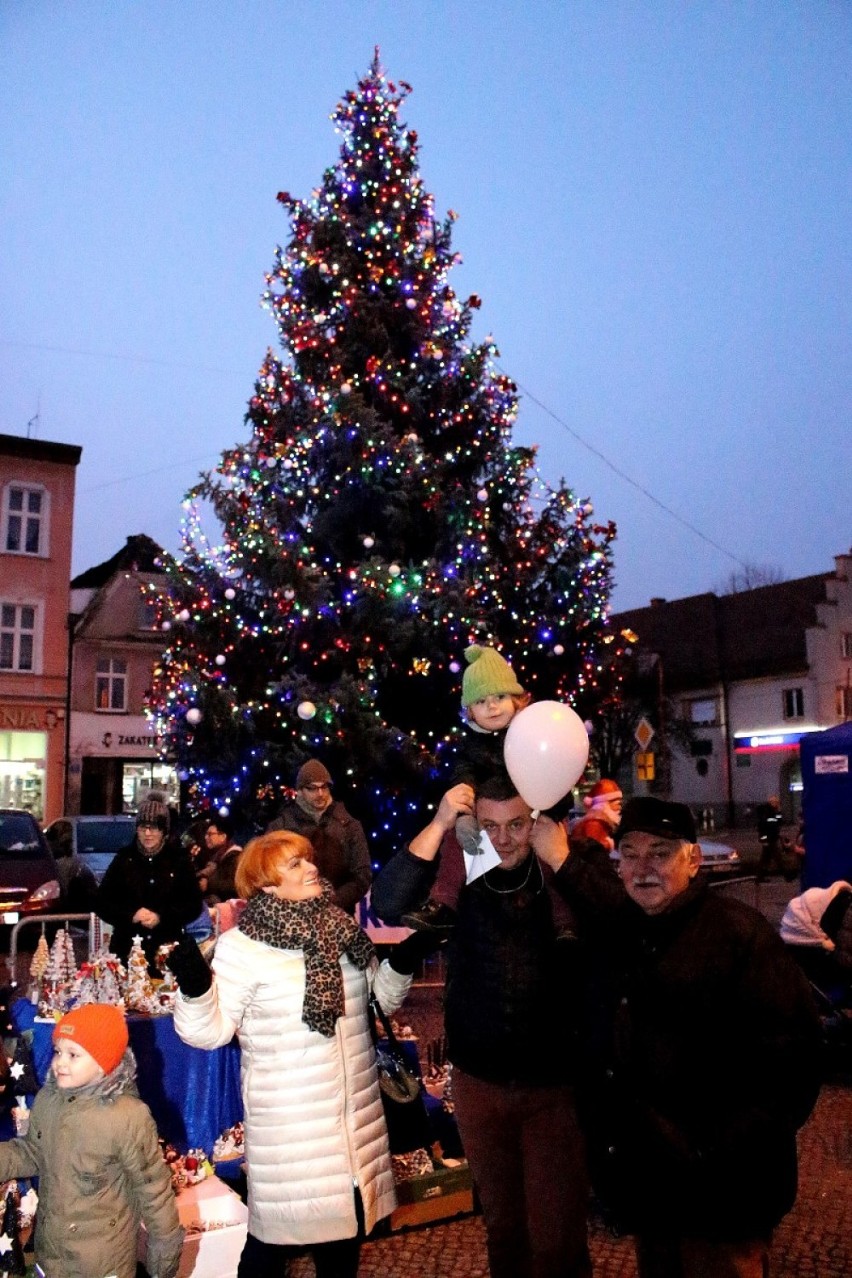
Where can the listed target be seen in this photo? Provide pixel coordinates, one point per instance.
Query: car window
(103, 836)
(19, 838)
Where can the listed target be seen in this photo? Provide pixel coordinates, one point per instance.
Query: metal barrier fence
(743, 887)
(95, 928)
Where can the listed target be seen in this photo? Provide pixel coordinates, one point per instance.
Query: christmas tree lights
(377, 520)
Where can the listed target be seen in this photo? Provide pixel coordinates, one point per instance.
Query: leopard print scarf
(322, 931)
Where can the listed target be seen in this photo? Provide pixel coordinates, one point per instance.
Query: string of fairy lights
(377, 520)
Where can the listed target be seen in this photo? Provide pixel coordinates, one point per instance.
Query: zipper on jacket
(339, 1035)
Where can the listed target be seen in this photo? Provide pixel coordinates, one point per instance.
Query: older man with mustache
(703, 1050)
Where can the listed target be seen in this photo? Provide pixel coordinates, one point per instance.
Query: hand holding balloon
(545, 751)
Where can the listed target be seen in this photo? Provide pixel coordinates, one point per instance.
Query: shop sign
(768, 741)
(27, 718)
(131, 736)
(123, 739)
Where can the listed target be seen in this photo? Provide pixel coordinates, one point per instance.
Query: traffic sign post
(644, 733)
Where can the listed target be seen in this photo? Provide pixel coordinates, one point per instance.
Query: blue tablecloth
(194, 1095)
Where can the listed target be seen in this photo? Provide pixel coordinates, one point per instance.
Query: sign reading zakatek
(825, 764)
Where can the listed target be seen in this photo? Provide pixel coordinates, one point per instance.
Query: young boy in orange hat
(93, 1144)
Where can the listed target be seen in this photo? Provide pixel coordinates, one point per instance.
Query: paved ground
(814, 1241)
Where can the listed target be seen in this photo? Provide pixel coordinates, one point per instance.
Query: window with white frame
(18, 636)
(794, 703)
(25, 511)
(844, 702)
(846, 644)
(111, 684)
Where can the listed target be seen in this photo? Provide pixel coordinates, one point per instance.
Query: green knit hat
(487, 675)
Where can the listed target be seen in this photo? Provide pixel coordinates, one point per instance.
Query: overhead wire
(529, 395)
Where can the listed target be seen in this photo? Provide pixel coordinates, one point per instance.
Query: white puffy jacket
(314, 1124)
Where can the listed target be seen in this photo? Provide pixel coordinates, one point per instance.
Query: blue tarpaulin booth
(827, 805)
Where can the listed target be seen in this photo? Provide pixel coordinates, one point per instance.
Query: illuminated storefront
(114, 762)
(31, 757)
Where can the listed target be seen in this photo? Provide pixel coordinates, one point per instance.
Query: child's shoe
(431, 917)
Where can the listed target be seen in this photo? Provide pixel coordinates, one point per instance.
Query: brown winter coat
(100, 1172)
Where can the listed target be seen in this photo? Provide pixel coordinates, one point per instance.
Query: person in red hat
(93, 1144)
(603, 813)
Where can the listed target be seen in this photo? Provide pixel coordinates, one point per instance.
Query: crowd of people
(594, 983)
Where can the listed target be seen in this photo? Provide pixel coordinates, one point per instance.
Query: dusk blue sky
(653, 204)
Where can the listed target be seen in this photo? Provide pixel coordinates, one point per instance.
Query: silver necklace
(512, 890)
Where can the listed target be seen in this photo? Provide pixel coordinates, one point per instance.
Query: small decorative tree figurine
(140, 992)
(22, 1075)
(11, 1252)
(59, 976)
(38, 967)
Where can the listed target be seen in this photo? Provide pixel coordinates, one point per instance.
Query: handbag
(399, 1086)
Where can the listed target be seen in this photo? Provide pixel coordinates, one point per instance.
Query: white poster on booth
(826, 764)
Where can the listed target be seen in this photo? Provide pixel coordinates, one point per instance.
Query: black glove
(405, 956)
(192, 974)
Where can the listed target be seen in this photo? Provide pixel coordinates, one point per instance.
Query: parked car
(29, 882)
(94, 840)
(716, 858)
(719, 858)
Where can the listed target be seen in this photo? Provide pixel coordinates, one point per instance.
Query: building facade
(751, 672)
(37, 481)
(112, 748)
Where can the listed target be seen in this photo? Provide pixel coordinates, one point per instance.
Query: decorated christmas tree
(376, 521)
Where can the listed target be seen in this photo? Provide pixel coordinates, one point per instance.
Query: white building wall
(825, 644)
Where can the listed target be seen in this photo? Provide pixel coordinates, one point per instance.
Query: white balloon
(545, 751)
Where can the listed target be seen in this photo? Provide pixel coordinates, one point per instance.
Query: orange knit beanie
(100, 1029)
